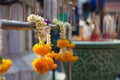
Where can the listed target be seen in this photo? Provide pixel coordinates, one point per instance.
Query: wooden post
(74, 18)
(10, 12)
(58, 6)
(67, 8)
(24, 11)
(45, 9)
(70, 10)
(101, 13)
(35, 7)
(51, 10)
(63, 10)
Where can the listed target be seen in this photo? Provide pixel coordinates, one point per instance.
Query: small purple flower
(47, 21)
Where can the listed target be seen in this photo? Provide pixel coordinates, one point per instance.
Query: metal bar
(16, 25)
(69, 71)
(20, 25)
(69, 66)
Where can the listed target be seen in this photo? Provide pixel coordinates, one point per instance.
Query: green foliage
(1, 59)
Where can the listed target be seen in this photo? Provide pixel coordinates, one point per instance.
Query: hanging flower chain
(62, 28)
(41, 26)
(65, 54)
(5, 64)
(44, 63)
(70, 30)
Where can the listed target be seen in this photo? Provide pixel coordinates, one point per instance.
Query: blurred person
(76, 23)
(94, 5)
(86, 9)
(95, 36)
(90, 6)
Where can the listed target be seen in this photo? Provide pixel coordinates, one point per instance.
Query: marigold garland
(51, 63)
(56, 56)
(5, 65)
(42, 64)
(41, 50)
(71, 45)
(62, 43)
(66, 56)
(45, 62)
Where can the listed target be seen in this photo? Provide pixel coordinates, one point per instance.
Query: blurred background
(91, 20)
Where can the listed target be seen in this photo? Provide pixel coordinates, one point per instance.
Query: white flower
(60, 23)
(32, 18)
(66, 24)
(41, 18)
(55, 21)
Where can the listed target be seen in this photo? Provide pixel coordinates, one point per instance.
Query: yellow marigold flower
(40, 65)
(51, 63)
(5, 65)
(61, 43)
(71, 46)
(41, 49)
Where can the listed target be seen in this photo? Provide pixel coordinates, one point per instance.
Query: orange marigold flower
(56, 56)
(51, 55)
(41, 49)
(5, 65)
(68, 56)
(71, 46)
(75, 58)
(61, 43)
(51, 63)
(40, 65)
(59, 58)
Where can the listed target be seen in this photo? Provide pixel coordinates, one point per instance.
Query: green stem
(1, 59)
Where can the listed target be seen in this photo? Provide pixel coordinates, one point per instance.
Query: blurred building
(17, 44)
